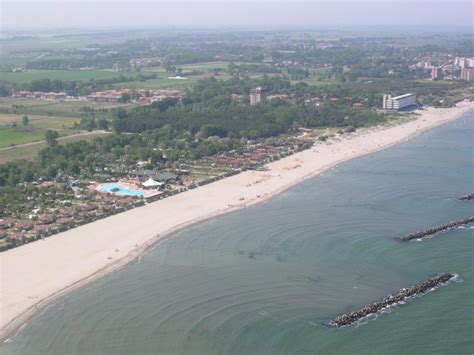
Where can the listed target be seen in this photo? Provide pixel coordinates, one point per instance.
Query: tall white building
(464, 62)
(398, 103)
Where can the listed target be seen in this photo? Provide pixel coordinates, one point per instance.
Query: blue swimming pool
(119, 189)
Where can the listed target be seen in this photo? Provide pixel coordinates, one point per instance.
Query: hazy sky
(17, 14)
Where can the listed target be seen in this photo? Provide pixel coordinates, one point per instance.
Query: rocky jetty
(430, 231)
(467, 197)
(404, 293)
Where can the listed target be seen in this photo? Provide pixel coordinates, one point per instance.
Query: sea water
(264, 280)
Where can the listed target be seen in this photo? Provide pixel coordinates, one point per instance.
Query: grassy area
(57, 123)
(10, 136)
(18, 106)
(19, 135)
(30, 152)
(205, 66)
(65, 75)
(34, 131)
(6, 119)
(316, 82)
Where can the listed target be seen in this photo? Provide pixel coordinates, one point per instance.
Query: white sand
(35, 274)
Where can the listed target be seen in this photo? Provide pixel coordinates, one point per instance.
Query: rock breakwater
(467, 197)
(404, 293)
(430, 231)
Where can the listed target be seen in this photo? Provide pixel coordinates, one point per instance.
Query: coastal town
(210, 167)
(70, 201)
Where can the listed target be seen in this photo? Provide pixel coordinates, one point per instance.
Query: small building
(165, 177)
(6, 223)
(277, 97)
(152, 184)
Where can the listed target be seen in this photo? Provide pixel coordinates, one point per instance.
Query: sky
(23, 14)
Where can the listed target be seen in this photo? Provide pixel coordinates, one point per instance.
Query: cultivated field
(20, 106)
(65, 75)
(30, 151)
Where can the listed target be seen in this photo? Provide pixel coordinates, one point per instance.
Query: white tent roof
(151, 183)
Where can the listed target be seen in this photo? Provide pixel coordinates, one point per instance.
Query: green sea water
(264, 280)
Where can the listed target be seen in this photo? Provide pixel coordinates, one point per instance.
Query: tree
(25, 120)
(51, 138)
(125, 97)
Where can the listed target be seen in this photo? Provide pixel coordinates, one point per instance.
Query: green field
(34, 132)
(19, 135)
(315, 82)
(65, 75)
(19, 106)
(30, 152)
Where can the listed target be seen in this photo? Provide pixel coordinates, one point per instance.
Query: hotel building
(398, 103)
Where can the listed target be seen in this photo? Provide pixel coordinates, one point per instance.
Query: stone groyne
(372, 308)
(430, 231)
(467, 197)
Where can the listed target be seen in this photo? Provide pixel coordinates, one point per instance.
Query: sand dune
(35, 274)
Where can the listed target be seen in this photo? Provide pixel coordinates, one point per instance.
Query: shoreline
(84, 252)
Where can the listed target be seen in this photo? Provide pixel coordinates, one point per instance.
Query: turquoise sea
(265, 279)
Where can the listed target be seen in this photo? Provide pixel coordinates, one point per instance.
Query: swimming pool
(119, 189)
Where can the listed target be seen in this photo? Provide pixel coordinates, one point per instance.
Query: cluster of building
(150, 96)
(467, 68)
(463, 62)
(146, 96)
(144, 62)
(449, 68)
(41, 223)
(398, 103)
(255, 154)
(107, 96)
(41, 95)
(113, 96)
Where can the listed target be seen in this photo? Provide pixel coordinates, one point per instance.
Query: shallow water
(265, 279)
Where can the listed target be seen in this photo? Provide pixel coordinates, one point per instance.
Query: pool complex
(119, 189)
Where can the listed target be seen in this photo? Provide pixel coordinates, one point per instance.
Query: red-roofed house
(63, 221)
(6, 223)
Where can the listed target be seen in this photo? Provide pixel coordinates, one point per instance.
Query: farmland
(19, 134)
(30, 151)
(21, 106)
(65, 75)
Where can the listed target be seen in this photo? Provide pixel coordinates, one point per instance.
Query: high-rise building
(467, 74)
(255, 96)
(460, 62)
(435, 73)
(398, 103)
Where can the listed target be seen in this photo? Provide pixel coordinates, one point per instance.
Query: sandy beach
(34, 275)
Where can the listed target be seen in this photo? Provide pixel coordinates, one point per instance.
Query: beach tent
(151, 184)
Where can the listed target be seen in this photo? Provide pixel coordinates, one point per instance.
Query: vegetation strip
(430, 231)
(419, 288)
(467, 197)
